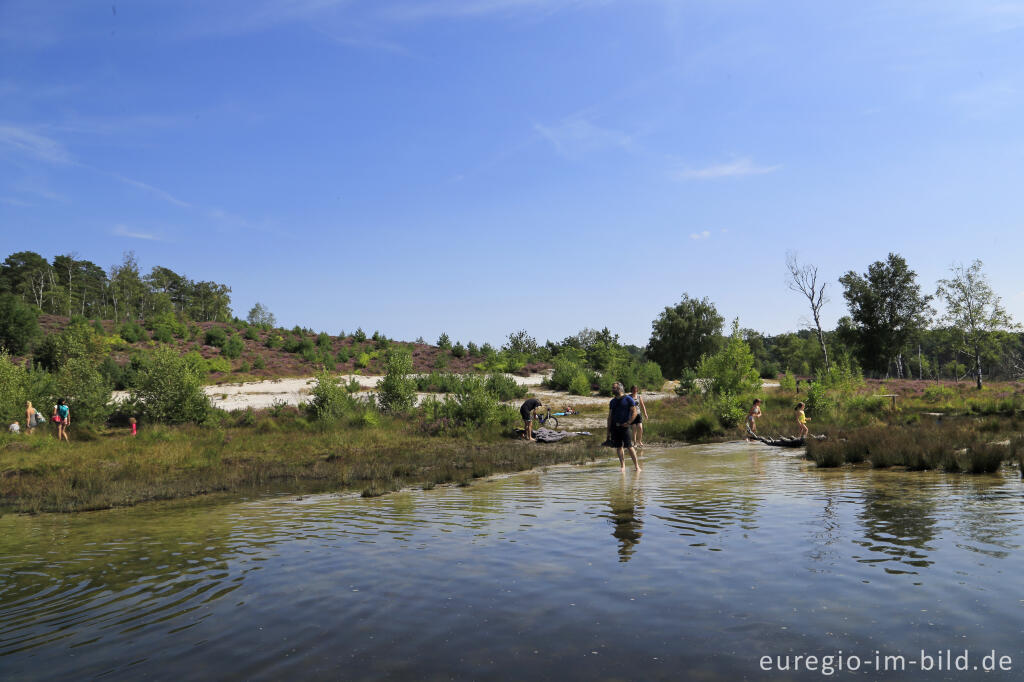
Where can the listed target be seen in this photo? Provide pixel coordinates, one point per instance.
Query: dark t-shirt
(529, 406)
(621, 409)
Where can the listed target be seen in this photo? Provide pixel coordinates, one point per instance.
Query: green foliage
(443, 342)
(359, 336)
(215, 364)
(787, 382)
(323, 341)
(819, 400)
(13, 390)
(163, 335)
(396, 392)
(688, 383)
(169, 389)
(251, 334)
(579, 384)
(331, 400)
(362, 361)
(685, 333)
(504, 387)
(261, 316)
(78, 340)
(343, 355)
(458, 350)
(87, 393)
(259, 363)
(565, 370)
(938, 394)
(472, 350)
(886, 311)
(274, 341)
(730, 370)
(440, 361)
(233, 347)
(216, 336)
(19, 324)
(520, 343)
(729, 409)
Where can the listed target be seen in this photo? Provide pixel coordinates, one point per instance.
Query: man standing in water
(621, 413)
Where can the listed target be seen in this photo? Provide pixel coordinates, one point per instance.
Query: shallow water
(711, 558)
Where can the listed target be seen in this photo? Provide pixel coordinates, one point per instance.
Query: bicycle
(550, 420)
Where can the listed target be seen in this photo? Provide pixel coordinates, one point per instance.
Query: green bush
(19, 324)
(731, 369)
(216, 364)
(251, 333)
(233, 348)
(688, 384)
(131, 332)
(362, 361)
(443, 342)
(472, 350)
(562, 375)
(787, 382)
(169, 389)
(87, 393)
(343, 355)
(274, 341)
(730, 409)
(330, 400)
(938, 394)
(504, 387)
(259, 363)
(703, 428)
(579, 384)
(13, 390)
(458, 350)
(819, 400)
(396, 392)
(359, 336)
(215, 336)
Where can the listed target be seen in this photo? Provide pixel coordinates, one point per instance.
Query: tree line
(892, 330)
(69, 286)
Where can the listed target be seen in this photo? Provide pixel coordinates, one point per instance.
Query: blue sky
(481, 166)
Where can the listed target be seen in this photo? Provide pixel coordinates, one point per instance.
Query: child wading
(752, 417)
(801, 419)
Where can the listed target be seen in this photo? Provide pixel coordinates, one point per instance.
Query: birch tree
(973, 310)
(803, 279)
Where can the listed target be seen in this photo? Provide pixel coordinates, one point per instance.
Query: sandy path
(263, 394)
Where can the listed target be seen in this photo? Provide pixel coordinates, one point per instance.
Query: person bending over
(526, 411)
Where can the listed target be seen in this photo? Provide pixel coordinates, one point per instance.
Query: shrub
(163, 334)
(330, 400)
(688, 384)
(819, 400)
(396, 392)
(234, 347)
(131, 332)
(504, 387)
(787, 382)
(274, 341)
(87, 392)
(649, 376)
(731, 370)
(458, 350)
(359, 336)
(323, 340)
(343, 355)
(362, 361)
(938, 394)
(472, 349)
(730, 409)
(19, 324)
(169, 389)
(702, 428)
(244, 366)
(259, 363)
(579, 384)
(443, 342)
(216, 336)
(13, 390)
(216, 364)
(252, 334)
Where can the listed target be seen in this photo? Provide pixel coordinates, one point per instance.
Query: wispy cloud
(124, 231)
(699, 236)
(32, 144)
(577, 136)
(11, 201)
(155, 191)
(732, 169)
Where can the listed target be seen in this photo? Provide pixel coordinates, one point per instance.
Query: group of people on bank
(61, 416)
(626, 414)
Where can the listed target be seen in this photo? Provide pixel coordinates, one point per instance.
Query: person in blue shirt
(621, 413)
(62, 417)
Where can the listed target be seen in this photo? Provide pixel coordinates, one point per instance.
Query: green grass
(114, 470)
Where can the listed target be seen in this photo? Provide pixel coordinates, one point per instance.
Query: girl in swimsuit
(755, 412)
(641, 415)
(801, 419)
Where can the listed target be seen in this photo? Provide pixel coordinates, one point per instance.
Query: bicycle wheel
(551, 422)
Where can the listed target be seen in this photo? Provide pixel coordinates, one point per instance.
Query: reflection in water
(513, 578)
(899, 525)
(626, 504)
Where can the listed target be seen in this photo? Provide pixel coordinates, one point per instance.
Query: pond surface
(711, 558)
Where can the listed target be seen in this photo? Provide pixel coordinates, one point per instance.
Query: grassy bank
(103, 470)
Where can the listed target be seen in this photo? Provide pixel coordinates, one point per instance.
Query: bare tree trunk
(977, 365)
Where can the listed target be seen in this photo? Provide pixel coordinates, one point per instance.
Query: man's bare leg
(622, 459)
(636, 462)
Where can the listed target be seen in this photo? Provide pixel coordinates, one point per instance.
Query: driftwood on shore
(783, 441)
